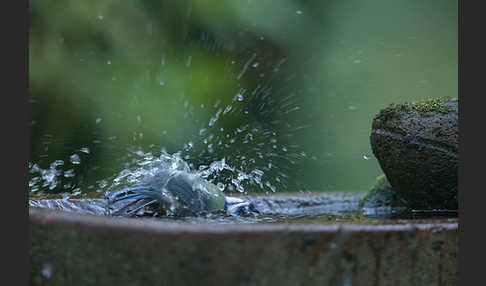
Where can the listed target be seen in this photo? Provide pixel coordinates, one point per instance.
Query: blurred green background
(287, 87)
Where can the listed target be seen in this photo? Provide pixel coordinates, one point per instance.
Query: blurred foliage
(107, 77)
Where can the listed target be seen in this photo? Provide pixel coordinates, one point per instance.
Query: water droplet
(75, 159)
(188, 61)
(56, 163)
(102, 184)
(356, 61)
(239, 95)
(162, 61)
(227, 109)
(246, 66)
(298, 12)
(221, 186)
(215, 117)
(100, 17)
(273, 188)
(84, 150)
(108, 62)
(366, 157)
(98, 120)
(47, 270)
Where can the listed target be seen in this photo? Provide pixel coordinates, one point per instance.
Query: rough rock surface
(416, 145)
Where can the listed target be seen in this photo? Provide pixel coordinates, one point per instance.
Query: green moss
(432, 105)
(381, 194)
(425, 107)
(380, 184)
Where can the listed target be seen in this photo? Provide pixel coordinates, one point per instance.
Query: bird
(177, 193)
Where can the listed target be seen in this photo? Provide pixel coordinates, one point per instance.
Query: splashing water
(254, 155)
(149, 165)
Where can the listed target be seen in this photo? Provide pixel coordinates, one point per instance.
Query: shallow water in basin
(308, 208)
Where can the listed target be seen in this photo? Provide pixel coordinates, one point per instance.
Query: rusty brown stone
(416, 145)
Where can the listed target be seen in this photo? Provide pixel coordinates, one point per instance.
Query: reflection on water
(281, 208)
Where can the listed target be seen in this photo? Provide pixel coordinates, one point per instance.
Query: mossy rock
(416, 145)
(381, 195)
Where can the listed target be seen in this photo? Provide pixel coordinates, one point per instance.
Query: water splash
(47, 178)
(148, 165)
(253, 155)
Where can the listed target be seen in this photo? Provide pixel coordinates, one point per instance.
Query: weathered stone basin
(68, 248)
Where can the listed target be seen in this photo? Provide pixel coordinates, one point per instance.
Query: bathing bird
(177, 193)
